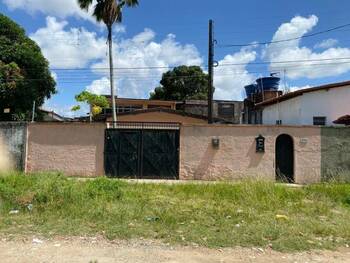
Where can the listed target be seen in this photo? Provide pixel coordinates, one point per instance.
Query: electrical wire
(285, 40)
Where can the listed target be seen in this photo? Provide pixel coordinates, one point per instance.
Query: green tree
(24, 72)
(109, 12)
(182, 83)
(96, 103)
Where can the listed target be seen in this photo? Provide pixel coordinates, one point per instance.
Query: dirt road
(86, 250)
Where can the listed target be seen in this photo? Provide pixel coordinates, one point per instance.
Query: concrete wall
(288, 111)
(75, 149)
(335, 158)
(236, 157)
(12, 145)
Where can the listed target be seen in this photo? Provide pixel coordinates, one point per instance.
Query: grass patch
(213, 215)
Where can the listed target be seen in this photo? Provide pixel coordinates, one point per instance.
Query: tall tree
(109, 12)
(182, 83)
(24, 73)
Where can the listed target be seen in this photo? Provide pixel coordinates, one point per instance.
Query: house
(129, 105)
(49, 116)
(230, 111)
(322, 105)
(157, 116)
(174, 111)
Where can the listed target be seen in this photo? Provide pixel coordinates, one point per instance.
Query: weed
(249, 213)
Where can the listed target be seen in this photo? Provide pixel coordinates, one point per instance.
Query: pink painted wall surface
(236, 158)
(75, 149)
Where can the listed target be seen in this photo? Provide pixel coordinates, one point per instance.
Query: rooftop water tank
(268, 83)
(250, 89)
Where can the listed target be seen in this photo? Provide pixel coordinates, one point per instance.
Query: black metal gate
(142, 153)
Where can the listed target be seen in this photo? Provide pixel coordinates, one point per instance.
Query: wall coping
(251, 126)
(67, 123)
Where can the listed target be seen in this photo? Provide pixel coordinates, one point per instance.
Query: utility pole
(210, 72)
(33, 112)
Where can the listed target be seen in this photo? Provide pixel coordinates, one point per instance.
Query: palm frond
(130, 3)
(85, 4)
(108, 11)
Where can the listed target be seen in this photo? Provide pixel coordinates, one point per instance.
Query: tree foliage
(96, 102)
(108, 11)
(182, 83)
(24, 72)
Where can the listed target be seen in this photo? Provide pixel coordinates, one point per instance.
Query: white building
(314, 106)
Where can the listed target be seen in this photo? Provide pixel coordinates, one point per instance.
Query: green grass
(212, 215)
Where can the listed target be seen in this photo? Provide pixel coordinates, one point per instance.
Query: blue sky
(166, 33)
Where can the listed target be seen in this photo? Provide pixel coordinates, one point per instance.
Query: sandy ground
(86, 250)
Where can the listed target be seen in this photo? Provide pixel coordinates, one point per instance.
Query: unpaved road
(86, 250)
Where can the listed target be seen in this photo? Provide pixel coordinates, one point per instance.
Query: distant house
(230, 111)
(321, 105)
(49, 116)
(132, 109)
(125, 105)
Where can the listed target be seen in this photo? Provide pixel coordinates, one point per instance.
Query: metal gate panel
(142, 153)
(160, 154)
(122, 153)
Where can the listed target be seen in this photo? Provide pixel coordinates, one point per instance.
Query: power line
(285, 40)
(98, 69)
(285, 62)
(134, 77)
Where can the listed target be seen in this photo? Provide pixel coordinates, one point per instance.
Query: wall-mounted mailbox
(260, 144)
(215, 142)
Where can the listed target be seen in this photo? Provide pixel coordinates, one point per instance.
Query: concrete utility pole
(33, 112)
(210, 71)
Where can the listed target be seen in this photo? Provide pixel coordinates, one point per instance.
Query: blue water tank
(250, 89)
(268, 83)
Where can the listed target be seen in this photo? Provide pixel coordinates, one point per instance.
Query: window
(278, 122)
(320, 121)
(226, 110)
(121, 109)
(158, 106)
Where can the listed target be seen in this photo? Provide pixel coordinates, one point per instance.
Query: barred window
(320, 120)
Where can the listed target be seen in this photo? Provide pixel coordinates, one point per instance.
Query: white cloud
(140, 63)
(292, 50)
(54, 75)
(73, 48)
(99, 86)
(60, 8)
(230, 80)
(327, 43)
(295, 88)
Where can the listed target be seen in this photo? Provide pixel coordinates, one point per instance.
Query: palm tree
(109, 12)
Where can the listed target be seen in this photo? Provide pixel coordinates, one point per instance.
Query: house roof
(53, 114)
(171, 111)
(343, 120)
(301, 92)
